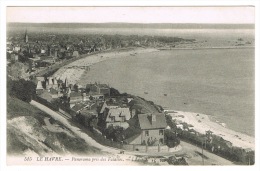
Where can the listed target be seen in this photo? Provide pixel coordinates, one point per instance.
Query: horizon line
(122, 23)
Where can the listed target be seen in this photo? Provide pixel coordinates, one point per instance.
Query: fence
(146, 148)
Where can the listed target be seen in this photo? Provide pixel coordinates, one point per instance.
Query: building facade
(152, 129)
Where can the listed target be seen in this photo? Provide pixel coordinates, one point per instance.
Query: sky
(232, 15)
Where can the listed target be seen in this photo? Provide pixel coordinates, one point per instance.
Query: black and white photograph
(130, 85)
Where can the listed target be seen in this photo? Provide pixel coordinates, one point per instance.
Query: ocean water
(217, 82)
(198, 34)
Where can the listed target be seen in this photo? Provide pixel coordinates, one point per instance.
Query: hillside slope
(30, 131)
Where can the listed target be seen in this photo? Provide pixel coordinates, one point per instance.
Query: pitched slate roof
(118, 113)
(147, 121)
(108, 105)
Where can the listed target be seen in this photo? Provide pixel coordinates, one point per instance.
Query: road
(187, 149)
(194, 158)
(78, 132)
(74, 129)
(64, 120)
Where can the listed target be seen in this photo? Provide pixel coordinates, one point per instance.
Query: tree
(109, 131)
(116, 133)
(171, 139)
(114, 92)
(22, 89)
(170, 122)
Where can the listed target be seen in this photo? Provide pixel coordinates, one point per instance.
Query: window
(160, 132)
(146, 133)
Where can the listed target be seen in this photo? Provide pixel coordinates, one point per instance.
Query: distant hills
(135, 25)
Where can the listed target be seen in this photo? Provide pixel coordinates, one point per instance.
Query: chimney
(50, 80)
(153, 118)
(55, 81)
(133, 113)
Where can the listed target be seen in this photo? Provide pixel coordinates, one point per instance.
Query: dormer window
(112, 119)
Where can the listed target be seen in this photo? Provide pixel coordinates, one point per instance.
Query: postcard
(130, 85)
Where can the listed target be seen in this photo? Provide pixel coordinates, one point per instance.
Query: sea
(216, 82)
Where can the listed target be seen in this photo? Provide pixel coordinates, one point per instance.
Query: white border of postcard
(5, 3)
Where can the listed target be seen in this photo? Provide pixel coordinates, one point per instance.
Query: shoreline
(202, 48)
(88, 60)
(202, 123)
(236, 138)
(75, 73)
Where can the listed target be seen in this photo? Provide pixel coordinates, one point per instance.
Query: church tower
(26, 37)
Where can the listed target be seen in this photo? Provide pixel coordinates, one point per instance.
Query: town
(38, 51)
(123, 121)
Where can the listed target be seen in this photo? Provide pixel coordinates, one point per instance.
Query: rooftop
(78, 107)
(53, 91)
(152, 121)
(98, 85)
(118, 113)
(75, 94)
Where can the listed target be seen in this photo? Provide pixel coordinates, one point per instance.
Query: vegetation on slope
(28, 133)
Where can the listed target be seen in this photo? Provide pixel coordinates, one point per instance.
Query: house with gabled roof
(99, 88)
(75, 97)
(152, 127)
(108, 105)
(96, 96)
(78, 107)
(54, 93)
(118, 117)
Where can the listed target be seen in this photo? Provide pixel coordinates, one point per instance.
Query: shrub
(116, 133)
(22, 89)
(171, 139)
(170, 122)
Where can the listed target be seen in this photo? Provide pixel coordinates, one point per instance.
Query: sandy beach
(203, 123)
(74, 73)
